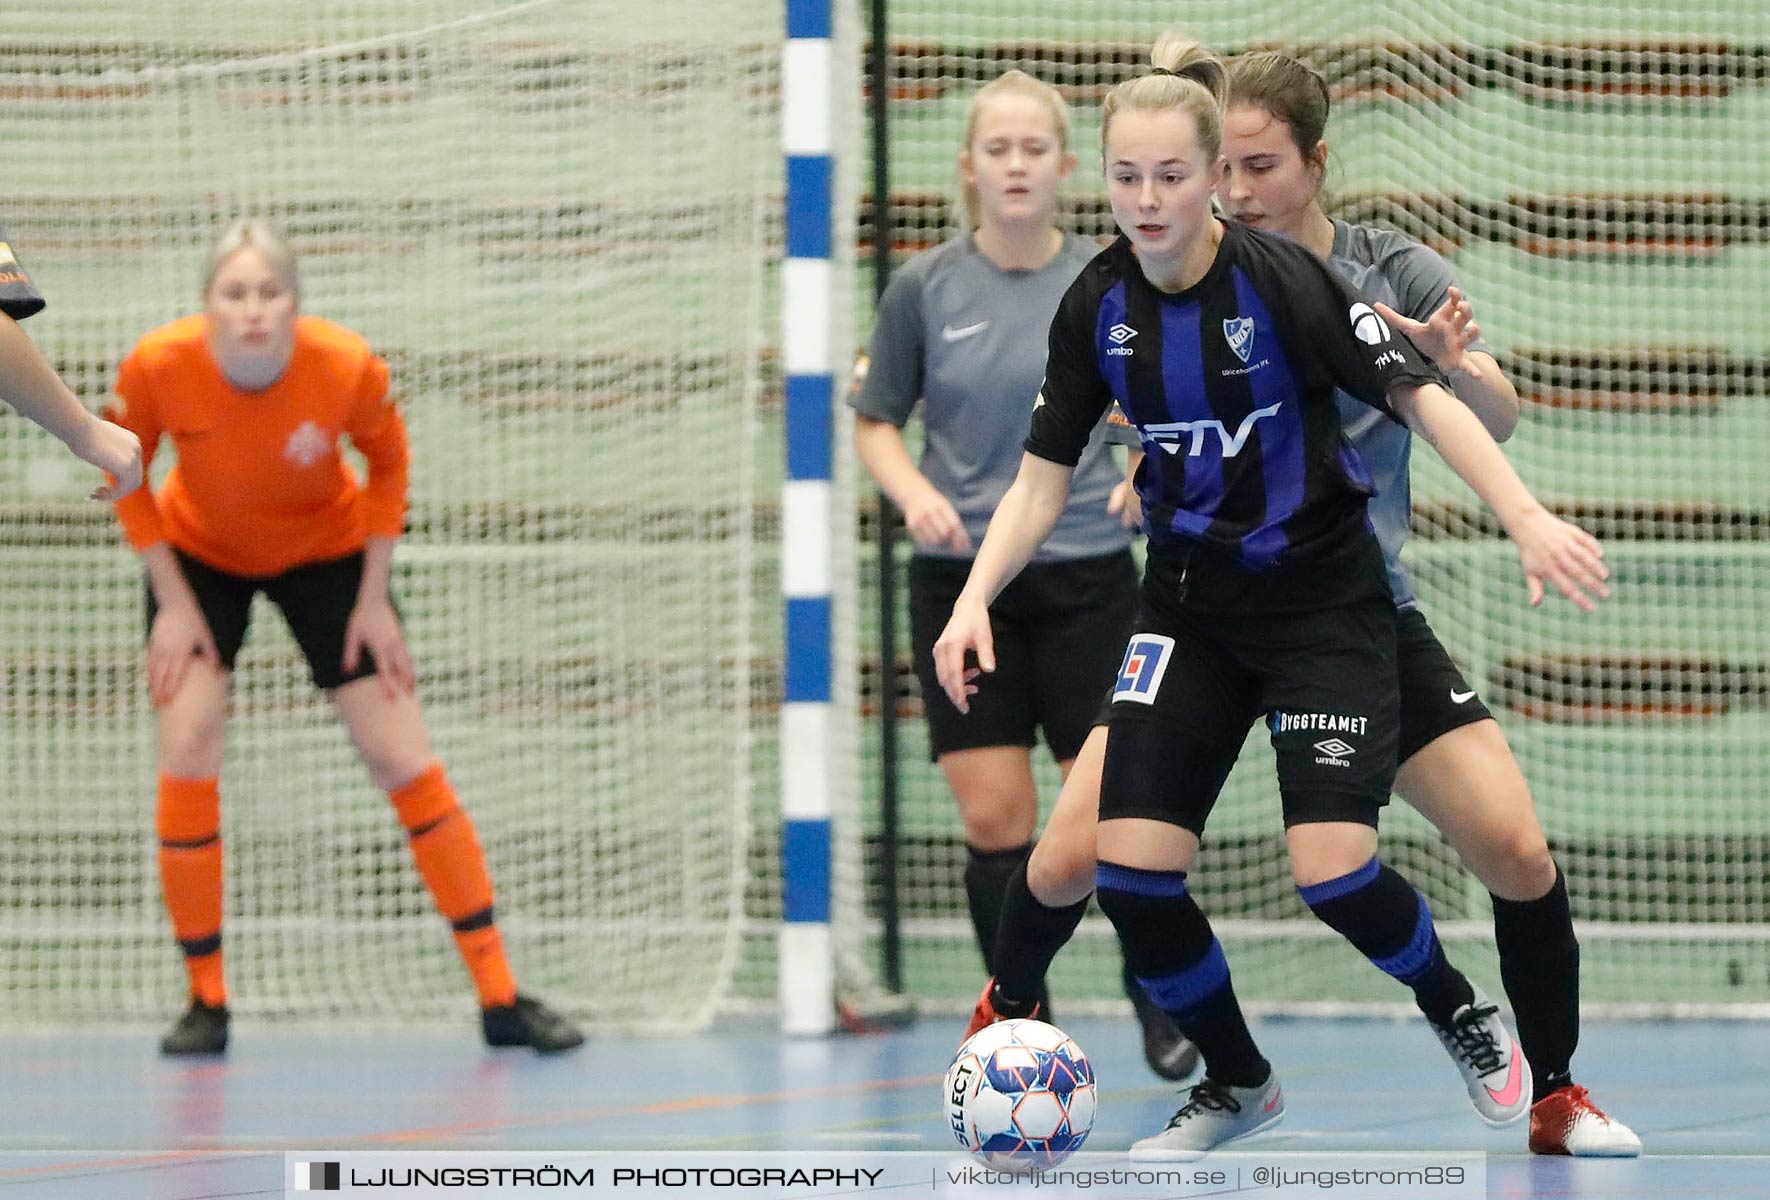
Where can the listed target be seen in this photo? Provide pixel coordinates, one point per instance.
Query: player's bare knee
(1522, 868)
(1061, 869)
(191, 742)
(996, 821)
(1328, 850)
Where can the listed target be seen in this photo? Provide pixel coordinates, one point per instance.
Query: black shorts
(1058, 630)
(1191, 685)
(1435, 698)
(316, 600)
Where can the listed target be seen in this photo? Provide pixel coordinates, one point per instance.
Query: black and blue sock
(1382, 914)
(1175, 956)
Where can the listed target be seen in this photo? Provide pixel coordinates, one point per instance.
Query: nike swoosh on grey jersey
(949, 334)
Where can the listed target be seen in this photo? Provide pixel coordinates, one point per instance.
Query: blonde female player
(960, 333)
(31, 386)
(255, 397)
(1455, 765)
(1266, 590)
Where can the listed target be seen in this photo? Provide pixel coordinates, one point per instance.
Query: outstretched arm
(30, 385)
(1446, 337)
(1548, 548)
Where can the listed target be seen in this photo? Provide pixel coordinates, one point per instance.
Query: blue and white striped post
(807, 947)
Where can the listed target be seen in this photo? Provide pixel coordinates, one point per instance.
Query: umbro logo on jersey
(949, 334)
(307, 445)
(1368, 326)
(1121, 333)
(1239, 332)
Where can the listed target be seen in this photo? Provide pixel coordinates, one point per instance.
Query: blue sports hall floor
(90, 1115)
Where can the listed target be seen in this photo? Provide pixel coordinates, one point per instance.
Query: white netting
(1591, 170)
(558, 220)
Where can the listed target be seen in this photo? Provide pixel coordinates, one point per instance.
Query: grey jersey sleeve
(889, 380)
(1422, 280)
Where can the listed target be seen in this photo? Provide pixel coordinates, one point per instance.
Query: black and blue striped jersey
(19, 297)
(1251, 496)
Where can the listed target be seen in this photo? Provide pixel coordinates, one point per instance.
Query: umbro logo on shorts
(1332, 752)
(1140, 675)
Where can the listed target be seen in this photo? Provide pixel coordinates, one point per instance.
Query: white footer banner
(784, 1174)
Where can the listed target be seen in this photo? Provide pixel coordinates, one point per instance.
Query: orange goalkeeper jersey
(260, 485)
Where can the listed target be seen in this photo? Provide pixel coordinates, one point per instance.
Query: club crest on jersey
(1140, 675)
(307, 445)
(1239, 332)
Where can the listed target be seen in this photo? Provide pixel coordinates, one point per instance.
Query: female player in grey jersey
(961, 332)
(1455, 766)
(30, 385)
(1266, 589)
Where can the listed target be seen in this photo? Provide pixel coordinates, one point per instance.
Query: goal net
(1589, 169)
(559, 222)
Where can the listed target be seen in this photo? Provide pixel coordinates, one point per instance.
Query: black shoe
(1165, 1048)
(202, 1030)
(528, 1022)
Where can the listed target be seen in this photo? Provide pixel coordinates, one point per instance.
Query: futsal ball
(1020, 1095)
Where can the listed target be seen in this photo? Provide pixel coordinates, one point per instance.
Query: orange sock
(453, 866)
(187, 816)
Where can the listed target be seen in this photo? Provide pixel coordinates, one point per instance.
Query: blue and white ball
(1020, 1095)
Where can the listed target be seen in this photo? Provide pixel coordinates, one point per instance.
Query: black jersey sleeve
(19, 297)
(1074, 393)
(1361, 352)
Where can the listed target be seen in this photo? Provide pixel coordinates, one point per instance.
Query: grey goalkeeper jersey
(967, 340)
